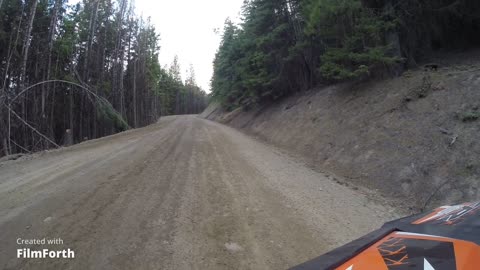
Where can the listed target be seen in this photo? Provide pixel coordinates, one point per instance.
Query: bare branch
(32, 128)
(19, 146)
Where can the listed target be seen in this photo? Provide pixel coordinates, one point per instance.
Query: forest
(73, 72)
(282, 47)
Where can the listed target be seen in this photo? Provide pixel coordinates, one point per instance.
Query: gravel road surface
(185, 193)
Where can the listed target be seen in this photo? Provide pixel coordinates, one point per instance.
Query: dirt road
(185, 193)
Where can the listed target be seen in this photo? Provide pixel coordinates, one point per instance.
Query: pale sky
(186, 29)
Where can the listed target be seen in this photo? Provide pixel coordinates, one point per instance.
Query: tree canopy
(285, 46)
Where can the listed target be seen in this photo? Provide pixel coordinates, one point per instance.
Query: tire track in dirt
(185, 193)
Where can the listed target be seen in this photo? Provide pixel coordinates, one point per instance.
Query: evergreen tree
(91, 68)
(287, 46)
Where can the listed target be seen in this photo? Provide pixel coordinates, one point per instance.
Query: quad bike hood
(447, 238)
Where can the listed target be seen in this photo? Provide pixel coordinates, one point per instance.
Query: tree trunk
(68, 138)
(71, 111)
(117, 79)
(5, 145)
(26, 44)
(11, 49)
(23, 67)
(135, 93)
(91, 33)
(120, 85)
(51, 35)
(392, 38)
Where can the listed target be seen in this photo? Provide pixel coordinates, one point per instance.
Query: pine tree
(91, 68)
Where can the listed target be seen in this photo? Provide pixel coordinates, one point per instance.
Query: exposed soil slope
(415, 138)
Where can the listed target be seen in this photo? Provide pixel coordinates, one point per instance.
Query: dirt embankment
(415, 138)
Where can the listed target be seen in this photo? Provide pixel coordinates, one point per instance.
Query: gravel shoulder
(185, 193)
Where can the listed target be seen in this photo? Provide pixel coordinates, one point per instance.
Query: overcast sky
(186, 29)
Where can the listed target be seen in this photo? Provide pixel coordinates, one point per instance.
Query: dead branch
(434, 193)
(54, 81)
(32, 128)
(454, 139)
(12, 141)
(444, 131)
(83, 87)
